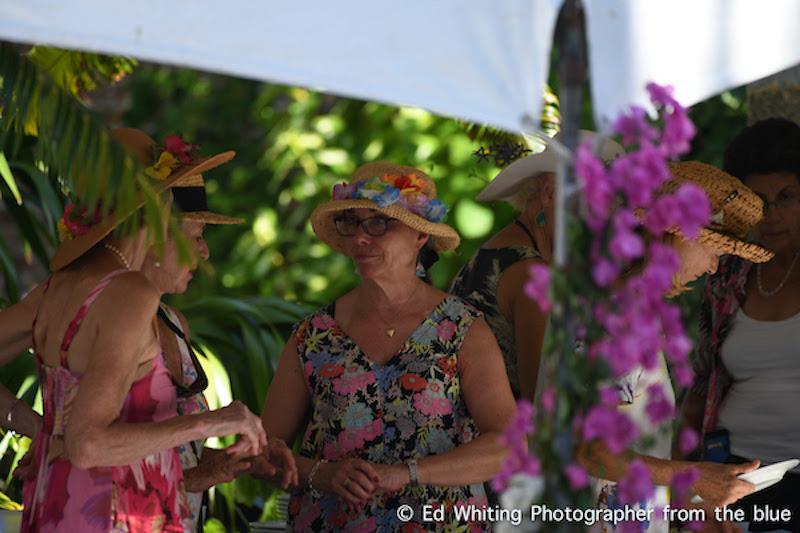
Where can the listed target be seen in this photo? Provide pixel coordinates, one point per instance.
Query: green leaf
(9, 272)
(8, 177)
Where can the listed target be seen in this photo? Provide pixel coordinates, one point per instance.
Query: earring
(541, 220)
(157, 264)
(421, 272)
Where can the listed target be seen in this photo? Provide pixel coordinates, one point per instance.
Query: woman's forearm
(122, 443)
(601, 463)
(17, 415)
(474, 462)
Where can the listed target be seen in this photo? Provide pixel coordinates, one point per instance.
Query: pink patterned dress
(146, 495)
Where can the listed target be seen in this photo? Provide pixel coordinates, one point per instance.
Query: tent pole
(572, 67)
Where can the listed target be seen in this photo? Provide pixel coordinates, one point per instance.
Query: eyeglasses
(783, 201)
(347, 225)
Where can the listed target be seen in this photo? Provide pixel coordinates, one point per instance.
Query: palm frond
(71, 140)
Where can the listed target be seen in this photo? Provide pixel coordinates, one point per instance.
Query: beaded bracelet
(315, 492)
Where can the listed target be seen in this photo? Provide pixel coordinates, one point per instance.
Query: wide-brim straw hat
(442, 236)
(735, 209)
(512, 178)
(189, 196)
(140, 146)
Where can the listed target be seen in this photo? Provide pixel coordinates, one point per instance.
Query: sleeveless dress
(477, 283)
(144, 496)
(408, 408)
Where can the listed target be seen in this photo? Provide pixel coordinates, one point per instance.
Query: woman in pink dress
(105, 457)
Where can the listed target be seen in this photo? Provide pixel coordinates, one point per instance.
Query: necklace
(114, 250)
(391, 330)
(774, 291)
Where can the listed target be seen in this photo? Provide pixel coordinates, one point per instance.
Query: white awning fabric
(481, 60)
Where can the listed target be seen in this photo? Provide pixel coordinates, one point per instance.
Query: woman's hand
(236, 419)
(277, 460)
(718, 484)
(216, 466)
(353, 480)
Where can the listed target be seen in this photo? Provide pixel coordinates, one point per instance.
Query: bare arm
(717, 485)
(17, 415)
(94, 435)
(487, 394)
(530, 325)
(16, 324)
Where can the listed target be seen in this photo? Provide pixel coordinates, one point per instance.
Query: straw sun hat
(404, 193)
(735, 209)
(142, 148)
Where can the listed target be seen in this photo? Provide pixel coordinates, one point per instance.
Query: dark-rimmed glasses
(347, 225)
(785, 200)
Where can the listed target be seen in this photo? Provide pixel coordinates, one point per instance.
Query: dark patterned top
(408, 408)
(477, 283)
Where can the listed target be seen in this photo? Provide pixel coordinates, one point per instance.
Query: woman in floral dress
(400, 388)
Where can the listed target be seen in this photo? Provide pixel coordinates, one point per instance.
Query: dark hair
(427, 257)
(769, 145)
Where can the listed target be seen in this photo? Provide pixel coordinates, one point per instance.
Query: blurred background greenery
(292, 145)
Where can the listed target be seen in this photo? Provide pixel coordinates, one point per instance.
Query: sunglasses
(347, 225)
(201, 382)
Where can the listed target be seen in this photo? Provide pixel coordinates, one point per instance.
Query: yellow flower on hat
(164, 166)
(63, 232)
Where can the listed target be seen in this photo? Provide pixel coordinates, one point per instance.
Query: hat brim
(513, 177)
(443, 237)
(726, 244)
(71, 249)
(210, 218)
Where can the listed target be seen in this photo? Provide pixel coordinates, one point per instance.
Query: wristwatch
(412, 472)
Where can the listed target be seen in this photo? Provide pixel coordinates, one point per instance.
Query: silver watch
(412, 472)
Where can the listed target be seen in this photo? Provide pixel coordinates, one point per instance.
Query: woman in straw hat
(747, 369)
(105, 457)
(735, 209)
(203, 467)
(493, 279)
(404, 384)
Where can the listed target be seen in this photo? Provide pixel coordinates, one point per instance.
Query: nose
(361, 236)
(203, 251)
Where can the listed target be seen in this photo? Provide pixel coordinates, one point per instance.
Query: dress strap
(73, 327)
(528, 233)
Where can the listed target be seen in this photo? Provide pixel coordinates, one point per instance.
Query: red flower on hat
(180, 148)
(76, 222)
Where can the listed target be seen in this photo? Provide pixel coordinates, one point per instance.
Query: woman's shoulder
(456, 307)
(128, 293)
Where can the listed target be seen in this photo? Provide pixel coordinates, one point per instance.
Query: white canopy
(481, 60)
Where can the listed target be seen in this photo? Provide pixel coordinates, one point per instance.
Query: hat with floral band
(400, 192)
(80, 230)
(735, 209)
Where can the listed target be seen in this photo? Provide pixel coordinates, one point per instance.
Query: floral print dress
(144, 496)
(408, 408)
